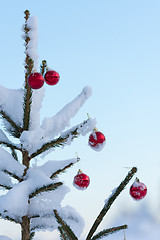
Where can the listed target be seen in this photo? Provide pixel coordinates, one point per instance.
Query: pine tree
(31, 192)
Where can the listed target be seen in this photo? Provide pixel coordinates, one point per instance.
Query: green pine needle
(108, 231)
(69, 233)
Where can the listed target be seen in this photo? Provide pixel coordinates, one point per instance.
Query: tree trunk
(25, 225)
(25, 228)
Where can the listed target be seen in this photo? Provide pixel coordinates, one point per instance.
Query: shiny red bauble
(96, 140)
(51, 77)
(81, 181)
(138, 190)
(35, 80)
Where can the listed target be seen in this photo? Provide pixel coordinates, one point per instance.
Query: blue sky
(113, 46)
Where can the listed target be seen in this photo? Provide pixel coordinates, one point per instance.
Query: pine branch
(10, 145)
(110, 201)
(13, 175)
(14, 154)
(32, 235)
(15, 130)
(27, 14)
(50, 187)
(43, 67)
(9, 218)
(28, 66)
(27, 108)
(65, 227)
(62, 170)
(108, 231)
(61, 141)
(5, 186)
(63, 235)
(55, 143)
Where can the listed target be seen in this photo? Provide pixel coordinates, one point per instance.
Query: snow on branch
(45, 145)
(42, 204)
(8, 164)
(3, 137)
(11, 107)
(37, 98)
(37, 180)
(16, 200)
(50, 187)
(48, 221)
(5, 181)
(40, 139)
(52, 168)
(56, 124)
(31, 50)
(7, 143)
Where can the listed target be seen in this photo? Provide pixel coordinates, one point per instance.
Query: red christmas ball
(96, 140)
(35, 80)
(138, 190)
(51, 77)
(81, 181)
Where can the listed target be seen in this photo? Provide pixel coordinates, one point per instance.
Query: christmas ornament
(96, 140)
(138, 190)
(81, 181)
(35, 80)
(51, 77)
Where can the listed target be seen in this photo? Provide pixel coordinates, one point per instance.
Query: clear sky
(113, 46)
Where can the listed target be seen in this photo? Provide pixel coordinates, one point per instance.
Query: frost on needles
(33, 192)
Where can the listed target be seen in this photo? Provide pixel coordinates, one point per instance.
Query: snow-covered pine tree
(33, 194)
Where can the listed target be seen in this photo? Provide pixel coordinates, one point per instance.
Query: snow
(5, 180)
(11, 101)
(76, 222)
(112, 193)
(44, 203)
(15, 202)
(37, 98)
(32, 24)
(68, 214)
(7, 162)
(51, 127)
(3, 137)
(56, 124)
(52, 166)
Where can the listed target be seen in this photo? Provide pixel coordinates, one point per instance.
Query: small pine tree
(33, 193)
